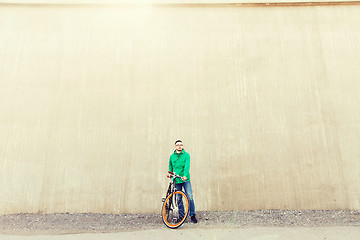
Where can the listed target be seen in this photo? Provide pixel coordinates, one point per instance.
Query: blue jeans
(188, 191)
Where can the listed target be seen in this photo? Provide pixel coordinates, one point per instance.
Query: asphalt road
(248, 233)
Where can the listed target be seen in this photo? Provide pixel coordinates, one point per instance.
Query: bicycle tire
(172, 216)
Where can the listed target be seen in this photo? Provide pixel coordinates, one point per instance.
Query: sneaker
(193, 219)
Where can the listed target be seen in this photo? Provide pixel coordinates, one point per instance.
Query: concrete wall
(101, 2)
(93, 97)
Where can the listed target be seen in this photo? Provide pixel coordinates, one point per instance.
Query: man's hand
(184, 178)
(168, 176)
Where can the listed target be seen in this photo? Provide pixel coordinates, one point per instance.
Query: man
(180, 164)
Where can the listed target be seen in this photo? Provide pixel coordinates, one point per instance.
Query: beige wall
(177, 2)
(92, 99)
(160, 1)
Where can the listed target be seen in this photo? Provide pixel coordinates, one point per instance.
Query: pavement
(248, 233)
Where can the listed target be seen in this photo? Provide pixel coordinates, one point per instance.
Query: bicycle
(175, 208)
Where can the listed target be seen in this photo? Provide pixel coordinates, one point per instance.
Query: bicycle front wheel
(175, 209)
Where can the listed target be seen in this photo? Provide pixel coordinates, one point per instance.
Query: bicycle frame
(171, 187)
(170, 190)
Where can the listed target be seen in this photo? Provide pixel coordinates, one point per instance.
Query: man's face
(179, 146)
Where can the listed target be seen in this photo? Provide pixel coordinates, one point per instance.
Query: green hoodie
(180, 164)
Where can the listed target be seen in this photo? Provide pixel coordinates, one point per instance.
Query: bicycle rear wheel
(175, 209)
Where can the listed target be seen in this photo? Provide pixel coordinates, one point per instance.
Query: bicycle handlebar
(173, 174)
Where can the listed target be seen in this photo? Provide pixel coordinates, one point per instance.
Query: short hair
(178, 141)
